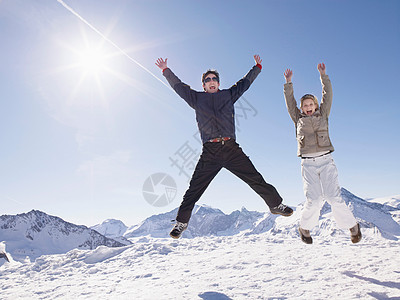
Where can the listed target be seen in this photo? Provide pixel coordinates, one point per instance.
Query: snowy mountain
(372, 214)
(35, 233)
(376, 218)
(113, 229)
(392, 203)
(266, 260)
(205, 221)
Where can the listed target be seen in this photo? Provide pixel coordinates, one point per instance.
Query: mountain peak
(36, 233)
(346, 193)
(111, 228)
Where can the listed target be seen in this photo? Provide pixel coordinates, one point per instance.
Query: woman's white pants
(320, 183)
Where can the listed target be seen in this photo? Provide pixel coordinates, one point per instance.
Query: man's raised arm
(182, 89)
(161, 63)
(243, 84)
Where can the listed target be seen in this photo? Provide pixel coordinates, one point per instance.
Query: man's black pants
(214, 157)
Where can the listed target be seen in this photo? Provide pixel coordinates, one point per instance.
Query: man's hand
(288, 75)
(162, 64)
(321, 68)
(257, 59)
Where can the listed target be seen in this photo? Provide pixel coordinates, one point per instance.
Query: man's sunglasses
(208, 79)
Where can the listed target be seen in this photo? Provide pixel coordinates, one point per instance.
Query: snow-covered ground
(243, 255)
(258, 266)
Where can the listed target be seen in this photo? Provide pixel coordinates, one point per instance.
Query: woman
(320, 176)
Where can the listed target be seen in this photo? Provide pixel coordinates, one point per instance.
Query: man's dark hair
(209, 72)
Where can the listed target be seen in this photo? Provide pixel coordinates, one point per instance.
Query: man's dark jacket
(215, 113)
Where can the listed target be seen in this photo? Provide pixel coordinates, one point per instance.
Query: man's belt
(220, 139)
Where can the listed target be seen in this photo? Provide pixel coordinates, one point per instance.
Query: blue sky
(79, 141)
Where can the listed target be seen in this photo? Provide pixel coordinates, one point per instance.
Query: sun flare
(93, 69)
(92, 60)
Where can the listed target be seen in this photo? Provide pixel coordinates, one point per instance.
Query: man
(216, 122)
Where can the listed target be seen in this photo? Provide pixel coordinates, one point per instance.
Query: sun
(88, 66)
(86, 58)
(91, 68)
(91, 61)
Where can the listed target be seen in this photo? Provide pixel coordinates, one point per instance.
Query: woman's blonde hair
(309, 96)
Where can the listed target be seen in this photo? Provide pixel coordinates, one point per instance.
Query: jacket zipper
(215, 118)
